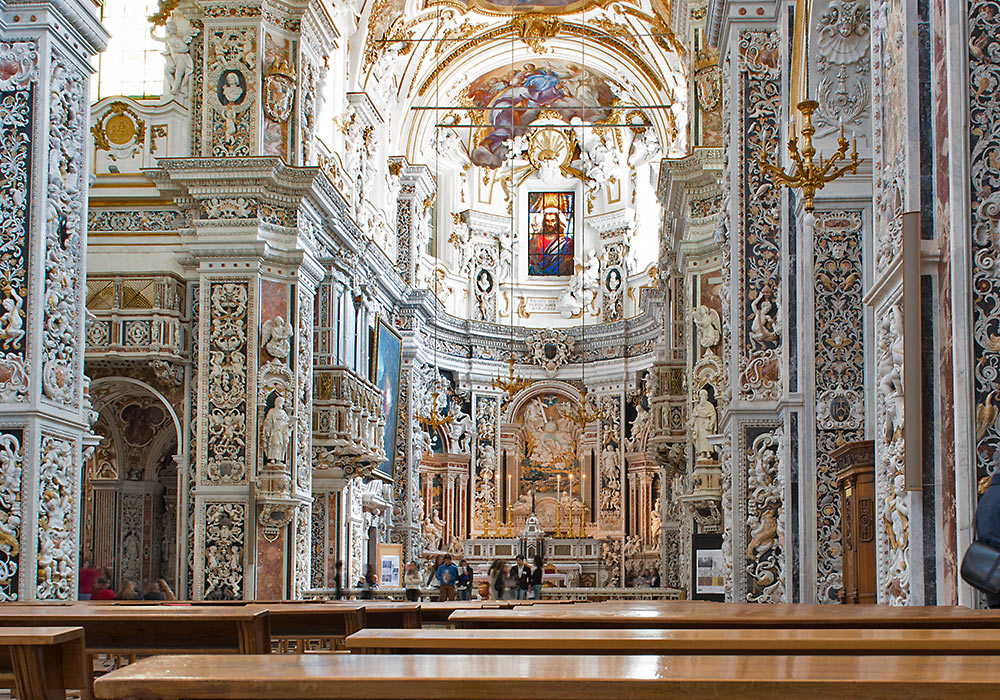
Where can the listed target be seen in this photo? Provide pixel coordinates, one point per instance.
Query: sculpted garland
(226, 439)
(760, 240)
(56, 516)
(224, 533)
(16, 125)
(62, 365)
(11, 466)
(765, 526)
(984, 117)
(839, 380)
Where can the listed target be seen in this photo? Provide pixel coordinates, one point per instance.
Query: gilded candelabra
(808, 175)
(583, 415)
(435, 420)
(513, 383)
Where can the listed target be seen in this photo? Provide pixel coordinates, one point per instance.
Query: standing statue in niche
(178, 66)
(703, 423)
(433, 531)
(277, 432)
(709, 326)
(460, 432)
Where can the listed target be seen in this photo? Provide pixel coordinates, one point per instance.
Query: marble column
(46, 48)
(756, 312)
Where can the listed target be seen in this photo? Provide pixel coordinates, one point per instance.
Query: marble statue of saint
(277, 432)
(703, 422)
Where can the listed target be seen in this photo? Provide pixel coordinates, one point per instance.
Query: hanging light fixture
(435, 421)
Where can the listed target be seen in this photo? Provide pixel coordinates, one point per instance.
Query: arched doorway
(131, 484)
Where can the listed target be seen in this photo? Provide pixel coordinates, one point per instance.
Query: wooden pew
(128, 630)
(693, 614)
(299, 627)
(387, 615)
(444, 677)
(436, 613)
(42, 663)
(682, 641)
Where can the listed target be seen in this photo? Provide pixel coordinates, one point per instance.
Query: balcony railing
(348, 421)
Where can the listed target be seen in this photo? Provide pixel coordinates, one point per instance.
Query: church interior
(678, 300)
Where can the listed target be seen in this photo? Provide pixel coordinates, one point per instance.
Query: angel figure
(178, 66)
(274, 336)
(709, 326)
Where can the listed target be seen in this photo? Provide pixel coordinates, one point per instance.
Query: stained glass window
(551, 234)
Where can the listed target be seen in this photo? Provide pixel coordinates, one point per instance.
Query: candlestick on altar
(583, 521)
(510, 513)
(498, 499)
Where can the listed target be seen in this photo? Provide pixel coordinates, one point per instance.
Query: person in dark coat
(988, 524)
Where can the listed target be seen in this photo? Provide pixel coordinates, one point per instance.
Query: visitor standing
(536, 578)
(988, 524)
(411, 582)
(494, 572)
(522, 575)
(368, 584)
(448, 576)
(338, 579)
(466, 577)
(500, 581)
(88, 574)
(510, 583)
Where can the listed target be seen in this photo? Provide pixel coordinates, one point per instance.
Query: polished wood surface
(437, 613)
(42, 663)
(153, 629)
(316, 619)
(683, 641)
(415, 677)
(701, 614)
(855, 472)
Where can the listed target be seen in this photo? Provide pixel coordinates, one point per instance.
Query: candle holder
(583, 521)
(810, 176)
(558, 519)
(510, 521)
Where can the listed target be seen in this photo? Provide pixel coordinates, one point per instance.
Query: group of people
(513, 582)
(95, 584)
(453, 582)
(647, 578)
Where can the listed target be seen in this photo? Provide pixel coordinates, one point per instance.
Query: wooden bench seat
(704, 615)
(141, 630)
(444, 677)
(683, 641)
(42, 663)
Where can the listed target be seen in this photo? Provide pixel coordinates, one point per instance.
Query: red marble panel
(270, 569)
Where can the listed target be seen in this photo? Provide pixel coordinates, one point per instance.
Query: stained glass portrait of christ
(551, 234)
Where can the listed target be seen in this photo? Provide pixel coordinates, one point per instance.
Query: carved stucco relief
(838, 274)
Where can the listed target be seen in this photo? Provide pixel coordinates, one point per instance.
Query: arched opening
(131, 486)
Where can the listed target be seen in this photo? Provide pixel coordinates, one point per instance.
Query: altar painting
(551, 234)
(551, 444)
(514, 97)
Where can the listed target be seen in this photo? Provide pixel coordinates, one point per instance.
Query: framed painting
(388, 355)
